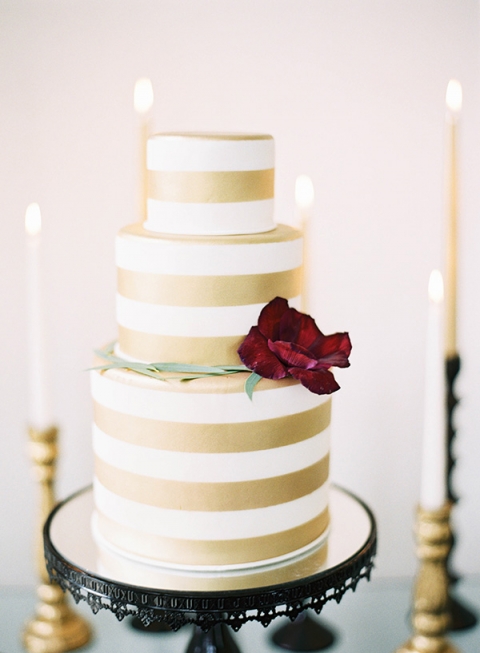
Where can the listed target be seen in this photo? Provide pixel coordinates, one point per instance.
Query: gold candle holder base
(55, 628)
(430, 615)
(429, 645)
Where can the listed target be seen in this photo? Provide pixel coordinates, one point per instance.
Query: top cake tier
(204, 184)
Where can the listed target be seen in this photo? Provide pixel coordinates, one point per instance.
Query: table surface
(374, 619)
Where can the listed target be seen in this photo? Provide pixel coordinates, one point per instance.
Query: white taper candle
(433, 491)
(39, 415)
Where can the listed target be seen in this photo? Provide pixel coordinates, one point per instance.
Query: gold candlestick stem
(430, 616)
(55, 628)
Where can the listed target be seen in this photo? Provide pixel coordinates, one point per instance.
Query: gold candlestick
(55, 627)
(430, 615)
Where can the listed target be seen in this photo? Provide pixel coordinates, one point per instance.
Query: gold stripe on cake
(212, 497)
(187, 290)
(201, 187)
(177, 349)
(208, 552)
(233, 437)
(281, 234)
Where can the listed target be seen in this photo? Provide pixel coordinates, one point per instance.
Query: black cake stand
(213, 600)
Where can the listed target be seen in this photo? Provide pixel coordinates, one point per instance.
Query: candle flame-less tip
(33, 219)
(304, 192)
(454, 96)
(143, 95)
(435, 286)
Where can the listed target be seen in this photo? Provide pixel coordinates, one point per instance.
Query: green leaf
(188, 372)
(154, 375)
(107, 353)
(250, 384)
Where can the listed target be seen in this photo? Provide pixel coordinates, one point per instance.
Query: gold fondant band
(235, 290)
(212, 497)
(208, 552)
(282, 233)
(213, 438)
(178, 349)
(210, 187)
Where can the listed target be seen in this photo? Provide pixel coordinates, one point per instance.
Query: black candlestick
(452, 368)
(461, 617)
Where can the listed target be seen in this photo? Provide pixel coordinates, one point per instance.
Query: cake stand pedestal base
(217, 640)
(303, 634)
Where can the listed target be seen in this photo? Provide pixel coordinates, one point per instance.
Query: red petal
(332, 350)
(299, 328)
(292, 355)
(321, 382)
(255, 354)
(269, 319)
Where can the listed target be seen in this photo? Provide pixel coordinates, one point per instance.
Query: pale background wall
(354, 94)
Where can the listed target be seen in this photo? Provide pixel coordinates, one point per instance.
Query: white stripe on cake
(184, 152)
(177, 258)
(159, 402)
(224, 218)
(193, 525)
(210, 467)
(189, 322)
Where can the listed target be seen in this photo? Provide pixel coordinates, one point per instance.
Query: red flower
(288, 343)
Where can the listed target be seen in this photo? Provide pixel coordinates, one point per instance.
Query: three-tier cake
(195, 473)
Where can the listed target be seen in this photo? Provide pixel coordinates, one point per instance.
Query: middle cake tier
(193, 299)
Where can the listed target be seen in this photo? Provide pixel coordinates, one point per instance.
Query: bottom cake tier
(197, 474)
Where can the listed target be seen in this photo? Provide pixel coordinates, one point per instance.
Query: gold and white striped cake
(195, 473)
(210, 184)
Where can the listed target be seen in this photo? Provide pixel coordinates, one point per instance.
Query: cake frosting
(210, 183)
(195, 473)
(192, 299)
